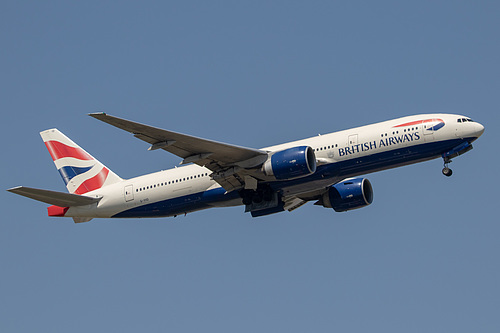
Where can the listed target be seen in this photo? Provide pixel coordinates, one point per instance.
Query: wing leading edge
(228, 162)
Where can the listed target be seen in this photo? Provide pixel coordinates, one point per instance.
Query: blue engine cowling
(349, 194)
(291, 163)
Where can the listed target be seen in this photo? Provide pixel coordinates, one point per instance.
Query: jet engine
(290, 163)
(348, 195)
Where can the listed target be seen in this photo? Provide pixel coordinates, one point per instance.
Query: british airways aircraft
(324, 169)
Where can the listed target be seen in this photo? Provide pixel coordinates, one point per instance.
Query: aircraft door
(129, 193)
(428, 130)
(352, 142)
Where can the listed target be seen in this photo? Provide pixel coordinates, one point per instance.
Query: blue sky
(422, 258)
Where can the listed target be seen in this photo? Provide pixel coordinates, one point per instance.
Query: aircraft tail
(80, 171)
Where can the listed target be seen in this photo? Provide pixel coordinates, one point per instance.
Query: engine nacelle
(348, 195)
(291, 163)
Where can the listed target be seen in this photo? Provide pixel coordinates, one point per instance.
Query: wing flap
(293, 203)
(54, 198)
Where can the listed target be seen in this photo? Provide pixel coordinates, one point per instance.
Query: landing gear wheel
(447, 172)
(247, 200)
(257, 197)
(267, 195)
(246, 196)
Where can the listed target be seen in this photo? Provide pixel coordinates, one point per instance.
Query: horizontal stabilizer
(54, 198)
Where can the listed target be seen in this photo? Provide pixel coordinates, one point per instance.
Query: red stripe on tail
(59, 150)
(93, 183)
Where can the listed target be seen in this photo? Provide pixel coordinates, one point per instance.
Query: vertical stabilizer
(80, 171)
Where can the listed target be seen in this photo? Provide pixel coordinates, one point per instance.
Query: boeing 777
(325, 169)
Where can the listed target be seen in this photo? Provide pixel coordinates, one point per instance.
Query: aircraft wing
(226, 161)
(54, 198)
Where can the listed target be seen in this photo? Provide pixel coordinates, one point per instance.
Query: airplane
(325, 169)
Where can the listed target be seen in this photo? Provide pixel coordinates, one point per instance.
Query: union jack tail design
(80, 171)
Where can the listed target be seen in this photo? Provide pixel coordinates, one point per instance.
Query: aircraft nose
(478, 130)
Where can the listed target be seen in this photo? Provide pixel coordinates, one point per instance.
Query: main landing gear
(257, 196)
(447, 171)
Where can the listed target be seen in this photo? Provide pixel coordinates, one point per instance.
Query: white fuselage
(339, 155)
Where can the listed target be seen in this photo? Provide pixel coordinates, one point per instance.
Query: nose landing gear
(447, 171)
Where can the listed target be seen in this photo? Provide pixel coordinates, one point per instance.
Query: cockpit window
(465, 120)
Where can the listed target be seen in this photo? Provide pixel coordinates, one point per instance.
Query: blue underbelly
(342, 169)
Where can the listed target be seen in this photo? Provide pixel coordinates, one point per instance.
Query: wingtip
(13, 189)
(97, 114)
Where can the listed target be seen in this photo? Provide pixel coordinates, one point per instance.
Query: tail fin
(80, 171)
